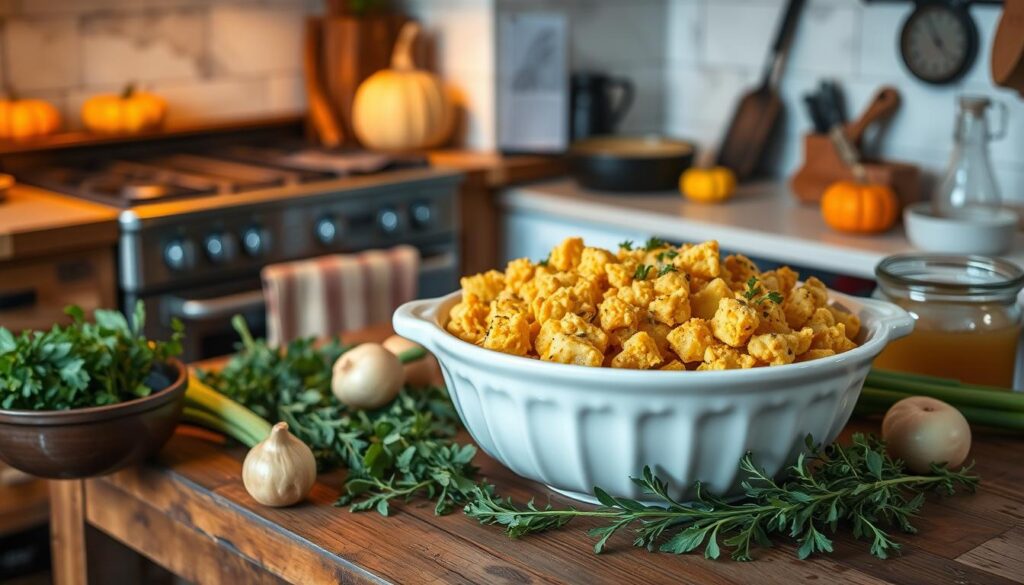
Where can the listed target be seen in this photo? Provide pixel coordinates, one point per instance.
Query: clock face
(939, 42)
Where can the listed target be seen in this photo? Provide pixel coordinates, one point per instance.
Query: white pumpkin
(402, 108)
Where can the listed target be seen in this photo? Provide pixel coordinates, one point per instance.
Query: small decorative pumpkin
(402, 108)
(850, 206)
(129, 112)
(22, 119)
(712, 185)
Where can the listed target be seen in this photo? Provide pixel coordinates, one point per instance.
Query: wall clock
(939, 41)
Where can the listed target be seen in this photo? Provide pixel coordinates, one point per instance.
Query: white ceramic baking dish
(574, 427)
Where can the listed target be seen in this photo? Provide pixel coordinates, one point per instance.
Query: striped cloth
(329, 295)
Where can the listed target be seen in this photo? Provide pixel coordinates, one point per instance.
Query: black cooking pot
(630, 163)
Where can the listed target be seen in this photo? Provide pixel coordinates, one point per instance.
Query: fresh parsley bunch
(83, 364)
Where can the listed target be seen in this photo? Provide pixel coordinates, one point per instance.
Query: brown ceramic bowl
(85, 442)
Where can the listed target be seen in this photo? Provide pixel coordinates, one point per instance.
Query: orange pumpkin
(712, 185)
(862, 208)
(21, 119)
(402, 108)
(129, 112)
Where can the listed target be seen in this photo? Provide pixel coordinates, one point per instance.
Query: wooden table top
(196, 486)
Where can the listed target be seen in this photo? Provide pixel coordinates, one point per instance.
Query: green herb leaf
(626, 245)
(401, 451)
(654, 244)
(857, 485)
(81, 365)
(642, 271)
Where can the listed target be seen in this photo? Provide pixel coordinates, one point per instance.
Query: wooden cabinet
(34, 291)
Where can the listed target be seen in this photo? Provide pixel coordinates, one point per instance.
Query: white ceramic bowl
(574, 427)
(978, 231)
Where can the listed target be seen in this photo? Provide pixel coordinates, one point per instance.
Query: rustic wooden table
(189, 513)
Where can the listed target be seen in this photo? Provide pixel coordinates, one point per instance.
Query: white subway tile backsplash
(879, 41)
(609, 34)
(684, 31)
(239, 37)
(205, 101)
(738, 34)
(826, 40)
(42, 53)
(474, 98)
(705, 94)
(149, 46)
(647, 114)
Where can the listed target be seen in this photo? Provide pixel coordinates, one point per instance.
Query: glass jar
(966, 312)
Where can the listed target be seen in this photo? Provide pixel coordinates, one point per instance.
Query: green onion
(202, 418)
(948, 390)
(981, 405)
(201, 397)
(412, 354)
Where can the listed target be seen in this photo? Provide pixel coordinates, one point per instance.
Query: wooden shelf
(67, 140)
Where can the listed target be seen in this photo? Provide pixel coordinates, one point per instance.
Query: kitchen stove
(201, 216)
(129, 182)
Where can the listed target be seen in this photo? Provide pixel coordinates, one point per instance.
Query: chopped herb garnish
(641, 271)
(545, 261)
(755, 295)
(666, 255)
(626, 245)
(654, 244)
(666, 269)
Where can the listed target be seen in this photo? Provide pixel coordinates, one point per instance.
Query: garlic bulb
(281, 470)
(367, 376)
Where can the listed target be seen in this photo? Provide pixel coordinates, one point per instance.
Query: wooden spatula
(751, 128)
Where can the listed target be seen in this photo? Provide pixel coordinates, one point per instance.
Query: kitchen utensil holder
(824, 166)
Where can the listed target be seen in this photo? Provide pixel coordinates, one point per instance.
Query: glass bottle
(969, 180)
(967, 319)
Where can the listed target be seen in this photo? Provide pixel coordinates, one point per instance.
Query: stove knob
(217, 248)
(326, 230)
(177, 254)
(388, 220)
(422, 215)
(255, 241)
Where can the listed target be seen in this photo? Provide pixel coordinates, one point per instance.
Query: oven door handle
(216, 307)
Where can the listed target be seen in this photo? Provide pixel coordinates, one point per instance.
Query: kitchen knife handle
(783, 40)
(884, 104)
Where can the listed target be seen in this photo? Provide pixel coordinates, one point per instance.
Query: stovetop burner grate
(231, 169)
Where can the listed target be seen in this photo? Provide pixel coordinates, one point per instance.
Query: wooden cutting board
(355, 48)
(1008, 47)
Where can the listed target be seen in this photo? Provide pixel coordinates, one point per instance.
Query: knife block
(823, 166)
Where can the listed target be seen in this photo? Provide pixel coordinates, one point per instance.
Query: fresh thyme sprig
(858, 485)
(755, 295)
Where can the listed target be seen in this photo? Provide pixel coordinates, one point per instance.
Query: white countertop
(762, 220)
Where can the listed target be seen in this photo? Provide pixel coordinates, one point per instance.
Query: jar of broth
(966, 312)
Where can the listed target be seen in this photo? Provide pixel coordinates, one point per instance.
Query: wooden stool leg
(67, 532)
